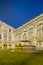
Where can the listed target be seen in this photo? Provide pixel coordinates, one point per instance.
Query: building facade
(6, 36)
(29, 34)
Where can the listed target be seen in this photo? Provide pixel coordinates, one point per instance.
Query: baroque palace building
(29, 34)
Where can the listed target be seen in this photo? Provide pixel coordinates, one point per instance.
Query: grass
(19, 58)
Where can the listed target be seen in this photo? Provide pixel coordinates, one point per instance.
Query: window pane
(0, 36)
(9, 30)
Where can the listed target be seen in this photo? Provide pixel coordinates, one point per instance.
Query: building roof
(7, 25)
(41, 15)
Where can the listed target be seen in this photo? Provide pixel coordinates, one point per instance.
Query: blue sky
(18, 12)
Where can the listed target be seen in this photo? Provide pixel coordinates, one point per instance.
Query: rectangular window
(9, 30)
(30, 32)
(10, 38)
(0, 36)
(0, 26)
(39, 31)
(5, 36)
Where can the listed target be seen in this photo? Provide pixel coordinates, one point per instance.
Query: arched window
(30, 32)
(18, 36)
(24, 36)
(40, 29)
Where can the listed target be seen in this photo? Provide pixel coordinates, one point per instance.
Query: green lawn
(19, 58)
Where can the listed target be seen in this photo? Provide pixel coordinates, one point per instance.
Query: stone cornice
(8, 26)
(31, 21)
